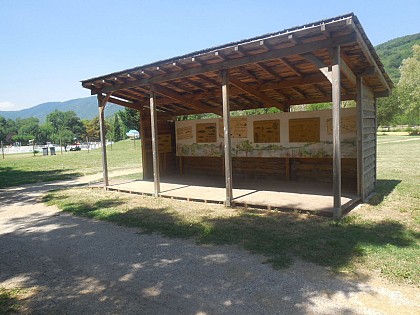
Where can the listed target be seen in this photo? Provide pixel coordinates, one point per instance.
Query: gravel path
(82, 266)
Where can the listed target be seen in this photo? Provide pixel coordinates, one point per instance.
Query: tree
(8, 129)
(409, 87)
(66, 120)
(92, 129)
(130, 118)
(64, 136)
(117, 129)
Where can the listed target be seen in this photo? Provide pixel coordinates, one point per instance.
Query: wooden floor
(283, 195)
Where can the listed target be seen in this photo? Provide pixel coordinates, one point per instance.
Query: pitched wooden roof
(273, 70)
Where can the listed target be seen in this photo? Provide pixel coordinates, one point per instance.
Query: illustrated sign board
(304, 130)
(347, 125)
(184, 133)
(164, 143)
(206, 133)
(267, 131)
(292, 134)
(238, 127)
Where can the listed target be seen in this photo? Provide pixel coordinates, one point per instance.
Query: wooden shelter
(326, 61)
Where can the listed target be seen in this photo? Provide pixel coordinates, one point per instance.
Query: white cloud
(7, 106)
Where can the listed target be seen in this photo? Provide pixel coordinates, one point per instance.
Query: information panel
(184, 133)
(164, 143)
(347, 125)
(206, 133)
(238, 127)
(304, 130)
(267, 131)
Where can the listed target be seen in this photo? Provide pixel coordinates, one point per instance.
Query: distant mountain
(85, 108)
(393, 52)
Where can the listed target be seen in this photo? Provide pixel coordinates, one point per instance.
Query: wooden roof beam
(312, 79)
(248, 73)
(183, 99)
(237, 62)
(345, 69)
(269, 70)
(291, 67)
(369, 57)
(268, 102)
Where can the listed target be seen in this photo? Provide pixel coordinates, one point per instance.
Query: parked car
(76, 148)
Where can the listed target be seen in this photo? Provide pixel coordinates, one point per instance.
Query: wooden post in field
(336, 108)
(155, 148)
(102, 103)
(226, 132)
(87, 141)
(2, 149)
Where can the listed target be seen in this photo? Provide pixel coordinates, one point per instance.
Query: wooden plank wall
(369, 141)
(313, 169)
(167, 161)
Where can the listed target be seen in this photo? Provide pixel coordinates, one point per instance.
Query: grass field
(381, 236)
(17, 169)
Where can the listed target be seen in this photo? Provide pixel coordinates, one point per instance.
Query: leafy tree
(117, 129)
(63, 136)
(8, 129)
(92, 129)
(409, 86)
(130, 118)
(66, 120)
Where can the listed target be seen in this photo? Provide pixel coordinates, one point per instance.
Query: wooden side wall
(369, 141)
(313, 169)
(167, 161)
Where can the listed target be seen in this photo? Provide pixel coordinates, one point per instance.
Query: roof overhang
(274, 70)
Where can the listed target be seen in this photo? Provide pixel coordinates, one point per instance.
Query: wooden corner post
(336, 108)
(226, 132)
(101, 105)
(155, 147)
(360, 162)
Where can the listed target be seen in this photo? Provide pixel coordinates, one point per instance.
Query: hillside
(85, 108)
(393, 52)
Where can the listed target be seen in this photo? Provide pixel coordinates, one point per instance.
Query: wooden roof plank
(268, 102)
(275, 54)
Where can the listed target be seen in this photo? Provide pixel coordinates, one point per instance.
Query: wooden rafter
(269, 71)
(183, 99)
(268, 102)
(291, 67)
(269, 55)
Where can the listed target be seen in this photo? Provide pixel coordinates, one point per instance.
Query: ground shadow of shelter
(86, 266)
(10, 177)
(383, 188)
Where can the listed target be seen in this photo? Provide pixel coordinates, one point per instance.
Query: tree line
(66, 128)
(403, 106)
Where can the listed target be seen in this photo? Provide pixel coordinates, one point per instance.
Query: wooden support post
(336, 98)
(155, 149)
(102, 103)
(2, 149)
(226, 131)
(360, 162)
(143, 144)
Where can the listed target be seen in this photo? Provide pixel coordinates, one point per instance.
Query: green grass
(10, 300)
(18, 169)
(383, 235)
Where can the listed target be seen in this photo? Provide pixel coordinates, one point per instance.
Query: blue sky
(48, 46)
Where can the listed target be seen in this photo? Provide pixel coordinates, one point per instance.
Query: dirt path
(74, 265)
